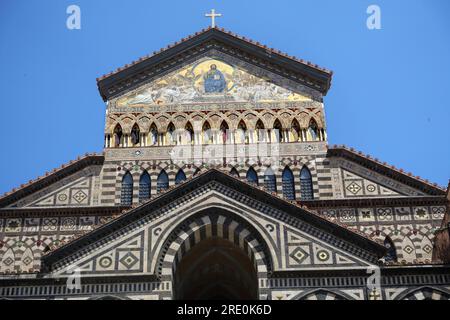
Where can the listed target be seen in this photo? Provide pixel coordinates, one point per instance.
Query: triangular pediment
(72, 185)
(296, 238)
(216, 42)
(361, 176)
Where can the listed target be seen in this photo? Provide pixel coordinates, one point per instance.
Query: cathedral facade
(217, 182)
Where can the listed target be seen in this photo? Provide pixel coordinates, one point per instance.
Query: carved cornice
(374, 202)
(241, 150)
(216, 106)
(61, 211)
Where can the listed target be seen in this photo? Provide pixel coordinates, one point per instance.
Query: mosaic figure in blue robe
(214, 80)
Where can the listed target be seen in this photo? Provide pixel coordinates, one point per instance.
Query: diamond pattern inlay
(408, 249)
(299, 255)
(129, 260)
(8, 261)
(354, 187)
(79, 196)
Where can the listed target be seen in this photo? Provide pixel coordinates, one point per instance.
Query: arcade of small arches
(206, 134)
(269, 182)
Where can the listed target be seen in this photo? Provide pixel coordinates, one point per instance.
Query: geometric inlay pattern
(79, 196)
(129, 260)
(299, 255)
(354, 187)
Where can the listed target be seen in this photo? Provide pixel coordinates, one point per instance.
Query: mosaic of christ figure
(214, 80)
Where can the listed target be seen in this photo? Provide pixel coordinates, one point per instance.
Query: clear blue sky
(389, 95)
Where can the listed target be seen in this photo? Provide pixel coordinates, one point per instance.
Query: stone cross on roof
(213, 16)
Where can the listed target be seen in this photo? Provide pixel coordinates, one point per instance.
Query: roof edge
(137, 66)
(50, 177)
(391, 171)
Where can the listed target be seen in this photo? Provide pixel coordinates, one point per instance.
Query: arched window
(391, 254)
(171, 139)
(154, 134)
(313, 131)
(163, 182)
(207, 134)
(252, 177)
(295, 131)
(306, 186)
(270, 181)
(118, 136)
(242, 132)
(135, 134)
(260, 132)
(278, 131)
(288, 184)
(126, 196)
(224, 131)
(189, 133)
(234, 172)
(180, 177)
(144, 187)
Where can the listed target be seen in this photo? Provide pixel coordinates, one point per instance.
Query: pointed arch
(206, 133)
(242, 132)
(296, 131)
(118, 136)
(408, 252)
(270, 181)
(189, 133)
(162, 183)
(171, 139)
(224, 129)
(260, 131)
(126, 196)
(144, 187)
(252, 176)
(428, 243)
(8, 260)
(180, 177)
(27, 259)
(313, 131)
(306, 185)
(278, 131)
(234, 172)
(391, 253)
(153, 134)
(288, 184)
(135, 135)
